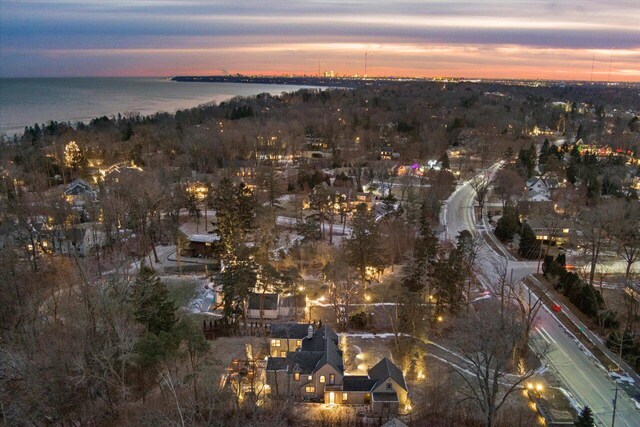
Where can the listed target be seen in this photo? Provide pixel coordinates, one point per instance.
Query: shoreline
(81, 101)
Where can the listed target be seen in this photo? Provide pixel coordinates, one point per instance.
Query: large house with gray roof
(314, 371)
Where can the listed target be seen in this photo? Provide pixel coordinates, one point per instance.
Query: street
(586, 380)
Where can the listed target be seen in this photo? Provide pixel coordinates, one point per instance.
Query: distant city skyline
(582, 40)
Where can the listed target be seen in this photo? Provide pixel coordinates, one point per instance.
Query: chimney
(310, 332)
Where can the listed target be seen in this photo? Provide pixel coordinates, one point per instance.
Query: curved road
(586, 380)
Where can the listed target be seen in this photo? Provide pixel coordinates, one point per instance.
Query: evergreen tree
(527, 160)
(448, 281)
(545, 150)
(151, 303)
(423, 257)
(445, 161)
(529, 245)
(507, 225)
(235, 211)
(426, 246)
(364, 247)
(508, 154)
(309, 229)
(239, 278)
(585, 419)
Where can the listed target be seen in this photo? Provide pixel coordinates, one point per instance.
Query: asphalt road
(586, 381)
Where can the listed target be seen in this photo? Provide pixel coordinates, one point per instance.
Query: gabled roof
(319, 350)
(332, 356)
(276, 363)
(385, 369)
(357, 383)
(318, 341)
(296, 331)
(305, 362)
(77, 184)
(204, 238)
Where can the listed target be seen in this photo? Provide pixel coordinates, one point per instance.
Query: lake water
(24, 102)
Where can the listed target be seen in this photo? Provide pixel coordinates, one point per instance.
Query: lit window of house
(345, 397)
(299, 343)
(310, 378)
(275, 343)
(322, 378)
(310, 389)
(332, 379)
(296, 376)
(283, 353)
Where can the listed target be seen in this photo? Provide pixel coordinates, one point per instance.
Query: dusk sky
(486, 38)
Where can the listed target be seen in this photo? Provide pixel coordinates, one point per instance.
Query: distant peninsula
(348, 82)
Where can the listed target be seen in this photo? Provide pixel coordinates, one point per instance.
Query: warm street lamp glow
(440, 318)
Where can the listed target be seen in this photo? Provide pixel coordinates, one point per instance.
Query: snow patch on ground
(202, 303)
(481, 298)
(368, 335)
(376, 304)
(621, 378)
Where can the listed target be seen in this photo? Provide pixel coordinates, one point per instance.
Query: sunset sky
(482, 38)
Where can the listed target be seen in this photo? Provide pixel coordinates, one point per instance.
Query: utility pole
(615, 403)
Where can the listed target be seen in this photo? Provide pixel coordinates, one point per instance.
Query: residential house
(291, 305)
(548, 226)
(534, 196)
(287, 337)
(79, 192)
(305, 373)
(82, 239)
(554, 232)
(386, 153)
(263, 306)
(200, 245)
(315, 371)
(275, 306)
(539, 187)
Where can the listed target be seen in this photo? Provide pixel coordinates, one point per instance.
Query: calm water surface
(24, 102)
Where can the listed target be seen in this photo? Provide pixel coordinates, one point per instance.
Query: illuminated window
(310, 378)
(332, 379)
(345, 396)
(275, 343)
(322, 379)
(283, 353)
(310, 389)
(296, 376)
(299, 343)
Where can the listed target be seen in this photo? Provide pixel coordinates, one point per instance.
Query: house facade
(314, 371)
(288, 337)
(271, 306)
